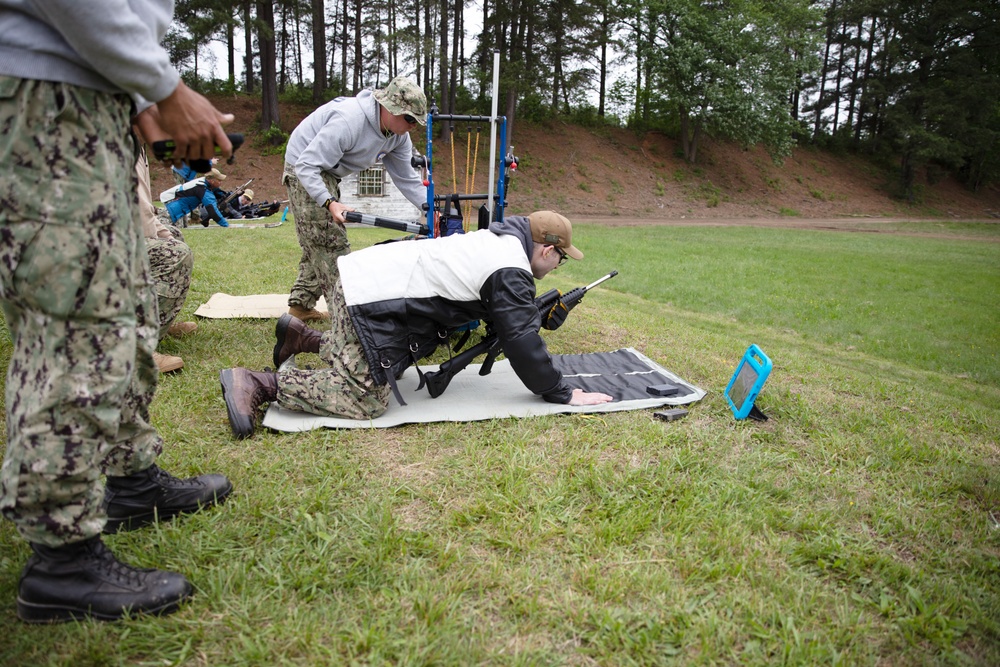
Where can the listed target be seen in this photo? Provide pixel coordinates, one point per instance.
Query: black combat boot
(85, 580)
(244, 392)
(144, 497)
(293, 337)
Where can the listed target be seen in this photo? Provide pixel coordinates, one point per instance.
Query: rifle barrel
(599, 281)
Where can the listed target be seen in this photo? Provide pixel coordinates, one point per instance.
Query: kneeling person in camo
(426, 289)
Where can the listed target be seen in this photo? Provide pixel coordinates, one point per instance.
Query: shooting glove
(556, 316)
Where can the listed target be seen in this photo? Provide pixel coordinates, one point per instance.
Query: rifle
(437, 381)
(389, 223)
(237, 192)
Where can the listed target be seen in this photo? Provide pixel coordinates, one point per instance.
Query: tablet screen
(745, 380)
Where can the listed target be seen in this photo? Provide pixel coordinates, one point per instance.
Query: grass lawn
(860, 525)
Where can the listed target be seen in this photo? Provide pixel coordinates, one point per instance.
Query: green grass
(860, 525)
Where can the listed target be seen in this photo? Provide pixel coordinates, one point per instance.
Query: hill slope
(611, 172)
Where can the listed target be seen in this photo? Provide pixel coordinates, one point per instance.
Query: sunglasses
(409, 119)
(562, 255)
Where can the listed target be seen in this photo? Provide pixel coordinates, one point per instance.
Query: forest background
(912, 85)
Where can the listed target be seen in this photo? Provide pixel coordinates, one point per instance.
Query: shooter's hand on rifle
(337, 210)
(556, 314)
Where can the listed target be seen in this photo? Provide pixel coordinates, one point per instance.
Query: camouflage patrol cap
(403, 96)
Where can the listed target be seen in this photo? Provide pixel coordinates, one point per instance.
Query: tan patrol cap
(216, 174)
(550, 228)
(248, 193)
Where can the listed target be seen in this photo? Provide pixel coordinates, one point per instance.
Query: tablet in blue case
(746, 383)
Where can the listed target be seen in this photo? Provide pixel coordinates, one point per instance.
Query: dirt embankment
(614, 175)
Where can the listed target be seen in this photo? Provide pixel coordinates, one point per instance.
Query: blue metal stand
(505, 161)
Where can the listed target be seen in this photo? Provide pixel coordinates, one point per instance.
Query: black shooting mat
(622, 374)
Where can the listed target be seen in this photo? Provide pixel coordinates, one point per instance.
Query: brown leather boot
(244, 391)
(294, 336)
(178, 329)
(167, 363)
(307, 314)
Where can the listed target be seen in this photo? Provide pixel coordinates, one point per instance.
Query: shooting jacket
(406, 298)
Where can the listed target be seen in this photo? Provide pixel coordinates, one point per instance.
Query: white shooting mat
(256, 306)
(471, 397)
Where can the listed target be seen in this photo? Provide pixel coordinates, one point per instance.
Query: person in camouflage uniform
(345, 136)
(77, 297)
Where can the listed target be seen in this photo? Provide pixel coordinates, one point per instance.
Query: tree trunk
(418, 45)
(840, 77)
(818, 121)
(604, 60)
(445, 96)
(853, 98)
(248, 36)
(319, 50)
(231, 50)
(866, 77)
(270, 116)
(343, 51)
(428, 40)
(298, 44)
(358, 56)
(456, 54)
(282, 75)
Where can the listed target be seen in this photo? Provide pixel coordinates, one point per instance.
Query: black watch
(326, 204)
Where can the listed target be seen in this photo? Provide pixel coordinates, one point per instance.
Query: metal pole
(430, 169)
(493, 128)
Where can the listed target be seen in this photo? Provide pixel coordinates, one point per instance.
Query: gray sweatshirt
(343, 137)
(112, 45)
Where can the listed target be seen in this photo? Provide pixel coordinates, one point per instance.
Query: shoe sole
(136, 521)
(242, 425)
(280, 329)
(44, 613)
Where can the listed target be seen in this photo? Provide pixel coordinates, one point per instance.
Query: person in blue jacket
(199, 192)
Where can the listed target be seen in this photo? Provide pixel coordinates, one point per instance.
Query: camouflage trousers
(346, 388)
(322, 241)
(78, 300)
(171, 262)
